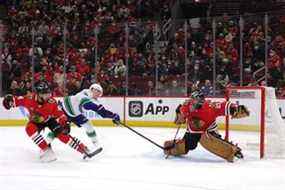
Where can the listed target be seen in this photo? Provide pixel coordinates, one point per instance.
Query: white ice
(128, 162)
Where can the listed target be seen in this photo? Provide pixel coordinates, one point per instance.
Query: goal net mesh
(265, 119)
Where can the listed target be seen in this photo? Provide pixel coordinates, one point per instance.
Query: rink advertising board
(151, 111)
(140, 111)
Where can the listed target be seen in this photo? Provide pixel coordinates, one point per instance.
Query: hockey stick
(173, 144)
(151, 141)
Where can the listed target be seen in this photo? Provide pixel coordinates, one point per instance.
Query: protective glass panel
(253, 50)
(227, 70)
(111, 66)
(19, 61)
(275, 52)
(171, 75)
(142, 57)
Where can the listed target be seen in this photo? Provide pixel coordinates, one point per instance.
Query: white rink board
(146, 109)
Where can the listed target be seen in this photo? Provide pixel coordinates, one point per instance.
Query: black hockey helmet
(42, 87)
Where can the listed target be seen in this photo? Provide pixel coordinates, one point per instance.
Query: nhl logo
(135, 109)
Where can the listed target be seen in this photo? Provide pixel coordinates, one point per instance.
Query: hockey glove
(8, 101)
(54, 126)
(116, 119)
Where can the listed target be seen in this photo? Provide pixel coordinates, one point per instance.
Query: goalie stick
(172, 146)
(151, 141)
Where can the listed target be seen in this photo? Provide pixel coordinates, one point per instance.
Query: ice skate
(239, 154)
(47, 155)
(96, 144)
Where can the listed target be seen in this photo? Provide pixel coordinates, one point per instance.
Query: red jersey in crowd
(205, 115)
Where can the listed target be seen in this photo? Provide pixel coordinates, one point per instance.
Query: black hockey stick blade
(91, 154)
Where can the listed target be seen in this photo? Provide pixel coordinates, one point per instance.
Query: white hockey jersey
(73, 105)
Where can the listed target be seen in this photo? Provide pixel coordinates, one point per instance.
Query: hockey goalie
(200, 117)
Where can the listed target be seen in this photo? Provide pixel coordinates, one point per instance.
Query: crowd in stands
(73, 43)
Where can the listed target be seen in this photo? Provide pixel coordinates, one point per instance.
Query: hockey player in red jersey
(200, 116)
(44, 112)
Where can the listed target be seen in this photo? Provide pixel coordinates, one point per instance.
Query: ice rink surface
(128, 162)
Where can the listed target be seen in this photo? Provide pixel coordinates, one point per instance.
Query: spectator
(96, 33)
(175, 89)
(207, 89)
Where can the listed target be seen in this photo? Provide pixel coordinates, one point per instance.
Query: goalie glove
(239, 112)
(8, 101)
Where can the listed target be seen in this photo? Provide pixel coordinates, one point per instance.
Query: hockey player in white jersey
(87, 99)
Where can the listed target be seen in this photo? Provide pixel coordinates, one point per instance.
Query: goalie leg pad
(219, 147)
(175, 148)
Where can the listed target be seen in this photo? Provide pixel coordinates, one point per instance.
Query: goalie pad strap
(218, 146)
(175, 148)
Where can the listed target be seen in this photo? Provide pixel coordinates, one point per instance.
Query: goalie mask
(198, 99)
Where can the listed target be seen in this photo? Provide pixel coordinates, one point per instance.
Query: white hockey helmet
(97, 87)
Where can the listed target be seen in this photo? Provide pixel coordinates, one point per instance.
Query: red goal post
(247, 93)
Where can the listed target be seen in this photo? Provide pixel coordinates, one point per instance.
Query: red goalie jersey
(203, 118)
(40, 111)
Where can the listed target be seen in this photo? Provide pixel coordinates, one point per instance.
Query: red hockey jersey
(45, 110)
(204, 118)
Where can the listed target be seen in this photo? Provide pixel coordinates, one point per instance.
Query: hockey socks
(77, 145)
(80, 147)
(73, 142)
(39, 141)
(90, 132)
(37, 138)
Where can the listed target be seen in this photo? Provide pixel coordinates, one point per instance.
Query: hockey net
(265, 119)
